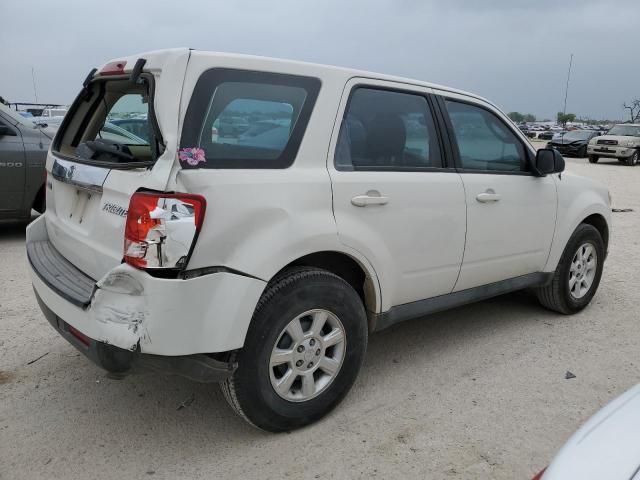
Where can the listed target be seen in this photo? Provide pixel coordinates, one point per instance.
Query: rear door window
(387, 130)
(243, 119)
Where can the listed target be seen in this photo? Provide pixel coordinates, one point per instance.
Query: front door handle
(488, 197)
(372, 197)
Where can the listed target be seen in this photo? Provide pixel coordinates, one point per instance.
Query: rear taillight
(162, 228)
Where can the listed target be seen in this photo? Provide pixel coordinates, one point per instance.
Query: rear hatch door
(88, 187)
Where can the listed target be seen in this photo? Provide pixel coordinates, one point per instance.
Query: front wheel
(578, 273)
(302, 353)
(593, 159)
(633, 159)
(582, 152)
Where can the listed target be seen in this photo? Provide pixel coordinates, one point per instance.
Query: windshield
(625, 131)
(15, 116)
(577, 135)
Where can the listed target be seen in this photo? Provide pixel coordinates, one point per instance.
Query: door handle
(372, 197)
(488, 197)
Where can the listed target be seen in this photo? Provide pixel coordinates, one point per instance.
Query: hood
(622, 140)
(565, 141)
(606, 446)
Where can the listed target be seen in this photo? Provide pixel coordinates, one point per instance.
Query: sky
(513, 52)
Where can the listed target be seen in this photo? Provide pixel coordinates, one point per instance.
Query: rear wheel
(633, 159)
(302, 353)
(578, 273)
(593, 159)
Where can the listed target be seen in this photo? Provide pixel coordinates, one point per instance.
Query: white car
(622, 142)
(606, 447)
(264, 261)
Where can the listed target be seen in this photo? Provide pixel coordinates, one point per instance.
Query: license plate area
(79, 208)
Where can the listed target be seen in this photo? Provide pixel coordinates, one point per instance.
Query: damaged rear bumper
(199, 367)
(132, 318)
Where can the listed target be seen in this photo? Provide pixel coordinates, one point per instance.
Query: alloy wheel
(307, 355)
(583, 270)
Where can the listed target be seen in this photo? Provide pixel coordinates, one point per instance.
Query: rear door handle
(488, 197)
(372, 197)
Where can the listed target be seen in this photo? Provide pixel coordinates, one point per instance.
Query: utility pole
(33, 78)
(566, 90)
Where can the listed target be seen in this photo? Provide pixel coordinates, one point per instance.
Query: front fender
(578, 198)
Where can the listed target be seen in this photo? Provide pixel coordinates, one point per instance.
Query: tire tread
(550, 295)
(280, 281)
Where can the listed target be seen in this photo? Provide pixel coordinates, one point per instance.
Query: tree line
(633, 108)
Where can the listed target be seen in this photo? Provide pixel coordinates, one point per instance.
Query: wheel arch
(600, 223)
(596, 214)
(39, 200)
(348, 267)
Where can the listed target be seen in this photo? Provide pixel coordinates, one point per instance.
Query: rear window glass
(242, 119)
(110, 123)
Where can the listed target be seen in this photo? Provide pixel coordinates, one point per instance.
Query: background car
(137, 126)
(622, 142)
(115, 133)
(606, 447)
(573, 143)
(546, 135)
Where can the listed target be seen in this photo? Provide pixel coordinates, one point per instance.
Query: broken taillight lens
(162, 228)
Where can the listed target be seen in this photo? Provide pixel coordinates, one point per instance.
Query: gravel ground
(476, 392)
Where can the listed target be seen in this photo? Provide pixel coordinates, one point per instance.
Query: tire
(582, 153)
(633, 159)
(298, 297)
(593, 159)
(557, 295)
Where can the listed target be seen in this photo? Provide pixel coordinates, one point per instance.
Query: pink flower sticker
(192, 156)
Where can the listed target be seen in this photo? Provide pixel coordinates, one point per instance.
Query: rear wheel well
(599, 223)
(39, 202)
(346, 268)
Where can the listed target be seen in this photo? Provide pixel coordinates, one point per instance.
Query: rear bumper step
(60, 274)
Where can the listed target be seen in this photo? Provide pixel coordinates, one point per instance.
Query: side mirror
(549, 160)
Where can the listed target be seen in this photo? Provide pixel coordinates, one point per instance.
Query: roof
(270, 63)
(350, 72)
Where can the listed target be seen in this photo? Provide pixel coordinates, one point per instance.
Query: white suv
(282, 211)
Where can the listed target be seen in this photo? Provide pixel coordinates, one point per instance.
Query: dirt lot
(477, 392)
